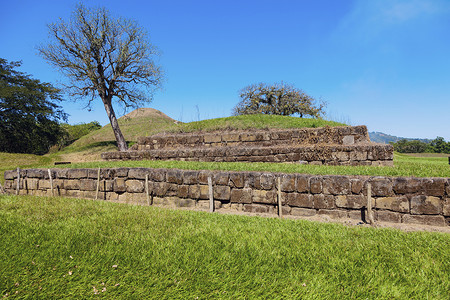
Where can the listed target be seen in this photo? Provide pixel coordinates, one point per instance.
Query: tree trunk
(121, 143)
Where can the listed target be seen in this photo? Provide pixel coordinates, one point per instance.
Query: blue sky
(380, 63)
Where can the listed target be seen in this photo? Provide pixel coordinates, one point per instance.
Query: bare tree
(106, 57)
(277, 99)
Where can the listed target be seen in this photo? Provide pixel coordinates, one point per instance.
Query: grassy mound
(71, 248)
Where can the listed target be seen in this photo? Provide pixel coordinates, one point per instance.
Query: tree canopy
(277, 99)
(103, 56)
(29, 114)
(438, 145)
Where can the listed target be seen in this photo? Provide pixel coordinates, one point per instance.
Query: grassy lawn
(404, 166)
(72, 248)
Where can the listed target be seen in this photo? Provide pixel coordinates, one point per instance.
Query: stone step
(363, 154)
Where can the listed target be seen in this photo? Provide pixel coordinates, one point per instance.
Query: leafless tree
(104, 57)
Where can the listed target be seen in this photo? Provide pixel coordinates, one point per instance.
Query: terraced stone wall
(400, 200)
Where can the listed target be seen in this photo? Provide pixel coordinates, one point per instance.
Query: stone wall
(401, 200)
(342, 135)
(366, 154)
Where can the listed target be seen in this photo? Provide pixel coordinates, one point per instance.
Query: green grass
(404, 166)
(63, 248)
(10, 161)
(252, 121)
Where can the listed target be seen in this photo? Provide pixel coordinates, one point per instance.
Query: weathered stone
(350, 201)
(183, 191)
(134, 186)
(381, 186)
(123, 172)
(77, 173)
(221, 178)
(303, 212)
(160, 188)
(348, 140)
(427, 220)
(174, 176)
(262, 196)
(88, 185)
(10, 174)
(333, 213)
(241, 195)
(222, 192)
(106, 185)
(203, 177)
(212, 138)
(300, 200)
(32, 183)
(190, 177)
(69, 184)
(357, 185)
(194, 191)
(230, 137)
(34, 173)
(336, 185)
(237, 180)
(158, 175)
(303, 184)
(323, 201)
(246, 137)
(446, 208)
(357, 214)
(288, 183)
(426, 205)
(138, 173)
(434, 186)
(399, 204)
(266, 181)
(119, 185)
(73, 193)
(403, 185)
(388, 216)
(259, 208)
(315, 185)
(204, 192)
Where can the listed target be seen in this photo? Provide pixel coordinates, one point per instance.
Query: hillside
(379, 137)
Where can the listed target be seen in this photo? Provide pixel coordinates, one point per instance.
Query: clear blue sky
(384, 64)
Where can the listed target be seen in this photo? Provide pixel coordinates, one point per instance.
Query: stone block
(35, 173)
(123, 172)
(446, 208)
(203, 176)
(134, 186)
(221, 178)
(262, 196)
(222, 192)
(88, 184)
(212, 138)
(88, 194)
(381, 186)
(302, 182)
(69, 184)
(259, 208)
(288, 183)
(357, 185)
(204, 192)
(426, 205)
(160, 189)
(183, 191)
(190, 177)
(174, 176)
(138, 173)
(10, 174)
(266, 181)
(230, 137)
(351, 201)
(74, 193)
(119, 185)
(399, 203)
(77, 173)
(432, 220)
(300, 200)
(32, 183)
(315, 185)
(388, 216)
(358, 155)
(322, 201)
(194, 191)
(237, 180)
(403, 185)
(357, 214)
(184, 202)
(348, 140)
(241, 195)
(336, 185)
(434, 186)
(333, 213)
(303, 212)
(158, 175)
(246, 137)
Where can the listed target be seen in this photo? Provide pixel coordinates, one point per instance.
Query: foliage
(106, 57)
(277, 99)
(438, 145)
(72, 248)
(29, 114)
(74, 132)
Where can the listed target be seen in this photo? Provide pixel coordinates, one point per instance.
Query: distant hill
(379, 137)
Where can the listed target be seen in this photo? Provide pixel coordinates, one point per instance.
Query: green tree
(74, 132)
(406, 146)
(28, 113)
(277, 99)
(104, 57)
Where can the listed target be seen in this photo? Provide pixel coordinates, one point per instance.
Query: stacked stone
(399, 200)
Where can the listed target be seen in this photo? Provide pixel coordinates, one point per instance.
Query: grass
(71, 248)
(404, 166)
